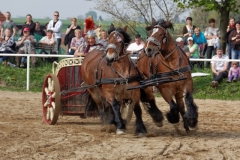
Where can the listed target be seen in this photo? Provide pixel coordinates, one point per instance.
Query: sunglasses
(56, 15)
(234, 64)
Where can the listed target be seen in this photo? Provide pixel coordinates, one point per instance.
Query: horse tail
(192, 111)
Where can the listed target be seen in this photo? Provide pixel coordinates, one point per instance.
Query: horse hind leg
(149, 103)
(140, 127)
(173, 114)
(191, 116)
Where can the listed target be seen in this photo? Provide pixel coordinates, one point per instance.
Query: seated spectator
(219, 68)
(103, 40)
(26, 45)
(180, 43)
(188, 29)
(234, 73)
(7, 46)
(76, 41)
(49, 40)
(38, 30)
(193, 48)
(136, 46)
(91, 44)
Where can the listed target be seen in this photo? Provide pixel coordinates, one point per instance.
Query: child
(233, 72)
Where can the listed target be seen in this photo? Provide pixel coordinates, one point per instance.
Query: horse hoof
(120, 131)
(141, 134)
(193, 128)
(159, 124)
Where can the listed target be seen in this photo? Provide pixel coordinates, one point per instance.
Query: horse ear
(148, 28)
(111, 26)
(153, 21)
(125, 28)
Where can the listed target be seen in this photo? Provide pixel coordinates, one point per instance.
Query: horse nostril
(149, 49)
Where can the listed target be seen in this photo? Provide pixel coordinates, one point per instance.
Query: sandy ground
(24, 134)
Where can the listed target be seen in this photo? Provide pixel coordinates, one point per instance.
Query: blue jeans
(5, 58)
(235, 54)
(209, 52)
(229, 50)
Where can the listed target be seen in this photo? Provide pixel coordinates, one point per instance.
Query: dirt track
(24, 135)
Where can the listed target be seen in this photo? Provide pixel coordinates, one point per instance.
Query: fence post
(28, 71)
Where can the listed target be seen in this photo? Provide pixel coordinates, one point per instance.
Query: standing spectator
(212, 35)
(103, 40)
(219, 68)
(180, 43)
(234, 73)
(136, 46)
(188, 30)
(70, 32)
(26, 45)
(8, 24)
(38, 30)
(234, 39)
(8, 45)
(56, 26)
(200, 40)
(29, 24)
(77, 41)
(230, 28)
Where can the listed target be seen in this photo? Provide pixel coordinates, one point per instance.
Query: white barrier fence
(70, 56)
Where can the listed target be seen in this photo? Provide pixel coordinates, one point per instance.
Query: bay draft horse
(164, 57)
(112, 71)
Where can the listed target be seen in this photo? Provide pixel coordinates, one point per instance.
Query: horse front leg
(149, 103)
(192, 111)
(120, 123)
(140, 127)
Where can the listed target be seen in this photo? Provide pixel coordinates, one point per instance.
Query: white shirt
(134, 47)
(219, 65)
(47, 40)
(56, 29)
(211, 32)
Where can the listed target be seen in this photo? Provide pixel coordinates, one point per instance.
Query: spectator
(234, 73)
(188, 30)
(77, 41)
(230, 28)
(212, 35)
(49, 40)
(219, 68)
(200, 40)
(180, 43)
(7, 46)
(234, 39)
(46, 27)
(8, 24)
(89, 25)
(103, 40)
(26, 45)
(193, 51)
(136, 46)
(89, 46)
(38, 30)
(70, 32)
(29, 24)
(56, 26)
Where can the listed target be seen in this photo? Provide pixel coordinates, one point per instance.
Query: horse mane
(162, 23)
(127, 38)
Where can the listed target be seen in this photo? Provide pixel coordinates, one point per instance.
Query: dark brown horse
(112, 71)
(163, 61)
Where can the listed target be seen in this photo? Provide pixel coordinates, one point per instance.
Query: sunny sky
(45, 8)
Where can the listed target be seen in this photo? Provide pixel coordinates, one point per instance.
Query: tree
(93, 14)
(223, 7)
(129, 12)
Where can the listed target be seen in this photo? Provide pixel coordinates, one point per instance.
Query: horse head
(116, 42)
(158, 38)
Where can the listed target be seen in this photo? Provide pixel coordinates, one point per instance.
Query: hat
(190, 38)
(179, 39)
(137, 36)
(91, 33)
(26, 30)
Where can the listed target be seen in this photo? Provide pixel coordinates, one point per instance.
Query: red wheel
(51, 102)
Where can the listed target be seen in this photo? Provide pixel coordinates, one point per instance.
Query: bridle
(114, 47)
